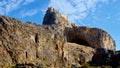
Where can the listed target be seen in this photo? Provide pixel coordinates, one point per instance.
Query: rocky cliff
(55, 44)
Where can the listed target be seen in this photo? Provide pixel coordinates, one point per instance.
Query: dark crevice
(25, 65)
(0, 31)
(26, 55)
(56, 47)
(37, 44)
(79, 41)
(36, 38)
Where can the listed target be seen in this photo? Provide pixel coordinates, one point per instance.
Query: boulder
(76, 55)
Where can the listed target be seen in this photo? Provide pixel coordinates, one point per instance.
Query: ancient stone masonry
(56, 43)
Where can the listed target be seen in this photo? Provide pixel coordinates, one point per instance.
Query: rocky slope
(55, 44)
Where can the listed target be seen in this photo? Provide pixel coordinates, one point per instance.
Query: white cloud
(76, 9)
(12, 5)
(29, 13)
(7, 6)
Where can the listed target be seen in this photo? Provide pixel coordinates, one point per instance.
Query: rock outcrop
(93, 37)
(54, 17)
(56, 44)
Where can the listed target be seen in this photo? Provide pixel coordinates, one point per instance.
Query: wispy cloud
(28, 12)
(76, 9)
(7, 6)
(28, 1)
(12, 5)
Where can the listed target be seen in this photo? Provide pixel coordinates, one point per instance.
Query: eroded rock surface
(56, 44)
(93, 37)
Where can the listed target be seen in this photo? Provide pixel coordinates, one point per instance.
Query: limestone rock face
(55, 44)
(5, 58)
(76, 54)
(93, 37)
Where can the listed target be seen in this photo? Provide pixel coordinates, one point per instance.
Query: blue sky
(103, 14)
